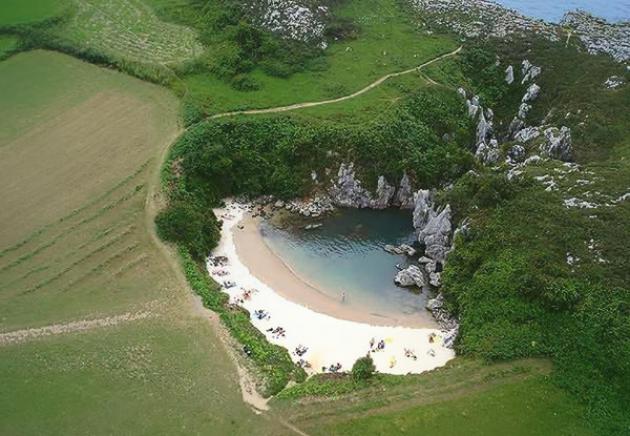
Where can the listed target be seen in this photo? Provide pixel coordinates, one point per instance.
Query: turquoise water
(612, 10)
(346, 255)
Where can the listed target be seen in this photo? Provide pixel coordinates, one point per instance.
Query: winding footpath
(340, 99)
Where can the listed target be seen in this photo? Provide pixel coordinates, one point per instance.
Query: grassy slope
(18, 12)
(531, 407)
(387, 43)
(465, 397)
(168, 373)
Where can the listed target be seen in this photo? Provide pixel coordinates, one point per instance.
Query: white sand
(329, 340)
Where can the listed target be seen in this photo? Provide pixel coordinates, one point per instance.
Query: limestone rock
(410, 276)
(527, 134)
(436, 235)
(488, 154)
(523, 110)
(484, 129)
(423, 209)
(532, 93)
(384, 194)
(516, 154)
(347, 191)
(557, 143)
(509, 75)
(404, 196)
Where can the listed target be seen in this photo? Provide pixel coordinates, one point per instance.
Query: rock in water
(557, 143)
(509, 75)
(384, 194)
(411, 276)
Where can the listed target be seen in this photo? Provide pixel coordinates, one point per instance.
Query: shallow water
(553, 11)
(346, 255)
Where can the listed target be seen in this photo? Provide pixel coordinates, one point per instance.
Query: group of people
(379, 347)
(334, 368)
(277, 332)
(262, 314)
(410, 354)
(300, 350)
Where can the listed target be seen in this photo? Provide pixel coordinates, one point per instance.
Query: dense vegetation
(276, 155)
(510, 279)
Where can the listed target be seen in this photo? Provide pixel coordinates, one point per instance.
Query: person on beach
(343, 296)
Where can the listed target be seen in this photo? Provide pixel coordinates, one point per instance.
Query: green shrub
(195, 228)
(243, 82)
(363, 368)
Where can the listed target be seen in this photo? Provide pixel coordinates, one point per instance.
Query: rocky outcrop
(509, 75)
(532, 93)
(527, 134)
(347, 191)
(423, 208)
(529, 71)
(404, 196)
(384, 194)
(600, 36)
(523, 110)
(436, 235)
(516, 154)
(410, 276)
(293, 19)
(448, 323)
(557, 143)
(488, 154)
(481, 18)
(484, 128)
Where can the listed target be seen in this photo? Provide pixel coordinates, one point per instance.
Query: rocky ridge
(301, 20)
(485, 18)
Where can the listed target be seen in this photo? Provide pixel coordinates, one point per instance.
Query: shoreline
(266, 265)
(329, 340)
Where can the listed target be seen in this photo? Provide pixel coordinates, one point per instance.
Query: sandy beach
(330, 332)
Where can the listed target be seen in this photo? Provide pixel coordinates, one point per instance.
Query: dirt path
(19, 336)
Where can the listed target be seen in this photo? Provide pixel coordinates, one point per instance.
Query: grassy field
(19, 12)
(387, 43)
(125, 349)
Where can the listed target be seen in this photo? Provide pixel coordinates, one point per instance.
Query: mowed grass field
(98, 333)
(129, 30)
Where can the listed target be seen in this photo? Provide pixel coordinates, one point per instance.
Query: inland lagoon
(343, 257)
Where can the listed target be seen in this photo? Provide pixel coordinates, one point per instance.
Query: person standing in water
(343, 296)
